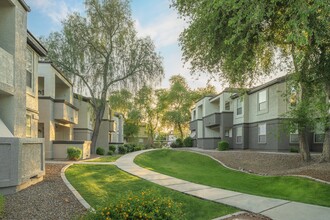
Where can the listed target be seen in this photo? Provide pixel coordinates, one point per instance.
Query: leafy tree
(101, 50)
(240, 40)
(132, 124)
(121, 101)
(146, 101)
(177, 101)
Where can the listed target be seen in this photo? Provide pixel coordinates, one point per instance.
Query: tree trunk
(98, 120)
(180, 130)
(303, 131)
(304, 146)
(326, 144)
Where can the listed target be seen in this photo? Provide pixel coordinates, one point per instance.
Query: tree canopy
(242, 40)
(101, 50)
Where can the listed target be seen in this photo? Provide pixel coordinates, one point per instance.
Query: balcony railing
(65, 112)
(212, 120)
(6, 69)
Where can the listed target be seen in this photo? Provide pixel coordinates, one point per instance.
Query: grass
(204, 170)
(111, 158)
(98, 183)
(2, 205)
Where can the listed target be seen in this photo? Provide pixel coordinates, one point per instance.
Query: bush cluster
(2, 205)
(294, 149)
(142, 205)
(112, 149)
(127, 148)
(177, 143)
(223, 145)
(188, 142)
(100, 151)
(74, 153)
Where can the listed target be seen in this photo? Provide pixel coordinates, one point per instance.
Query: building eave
(35, 44)
(25, 6)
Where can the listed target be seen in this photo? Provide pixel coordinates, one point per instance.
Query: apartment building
(58, 115)
(22, 155)
(212, 120)
(111, 128)
(256, 121)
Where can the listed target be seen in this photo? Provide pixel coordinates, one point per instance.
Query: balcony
(65, 112)
(193, 125)
(212, 120)
(6, 72)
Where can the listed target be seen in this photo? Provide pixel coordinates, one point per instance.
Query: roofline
(25, 6)
(57, 69)
(268, 84)
(228, 89)
(35, 44)
(208, 96)
(83, 98)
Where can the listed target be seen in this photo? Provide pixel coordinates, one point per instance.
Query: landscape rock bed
(265, 163)
(50, 199)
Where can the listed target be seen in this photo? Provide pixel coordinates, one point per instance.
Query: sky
(153, 18)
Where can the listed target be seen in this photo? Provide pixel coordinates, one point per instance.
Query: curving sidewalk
(273, 208)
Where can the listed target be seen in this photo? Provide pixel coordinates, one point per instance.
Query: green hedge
(2, 205)
(100, 151)
(74, 153)
(223, 145)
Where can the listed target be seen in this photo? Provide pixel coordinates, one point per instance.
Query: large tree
(241, 40)
(101, 50)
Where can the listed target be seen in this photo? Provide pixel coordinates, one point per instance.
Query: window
(239, 106)
(228, 133)
(239, 138)
(29, 68)
(227, 106)
(28, 125)
(293, 97)
(262, 133)
(294, 138)
(262, 100)
(319, 134)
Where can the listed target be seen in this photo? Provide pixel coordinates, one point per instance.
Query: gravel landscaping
(50, 199)
(266, 163)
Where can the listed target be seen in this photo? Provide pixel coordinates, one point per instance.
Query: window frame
(239, 100)
(263, 133)
(294, 133)
(29, 71)
(265, 102)
(318, 131)
(241, 135)
(227, 106)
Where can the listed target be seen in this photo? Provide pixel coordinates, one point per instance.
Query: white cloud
(164, 30)
(55, 10)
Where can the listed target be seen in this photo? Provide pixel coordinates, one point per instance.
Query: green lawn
(98, 183)
(105, 159)
(202, 169)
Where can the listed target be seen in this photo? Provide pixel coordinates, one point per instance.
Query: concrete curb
(303, 176)
(73, 190)
(230, 215)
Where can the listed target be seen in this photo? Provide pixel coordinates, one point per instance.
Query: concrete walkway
(273, 208)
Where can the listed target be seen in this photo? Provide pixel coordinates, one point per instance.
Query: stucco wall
(60, 148)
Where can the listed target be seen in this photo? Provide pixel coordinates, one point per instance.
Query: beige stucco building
(111, 129)
(58, 115)
(22, 156)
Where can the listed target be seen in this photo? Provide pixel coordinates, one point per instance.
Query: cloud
(58, 10)
(164, 30)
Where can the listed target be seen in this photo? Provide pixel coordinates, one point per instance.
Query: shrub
(110, 152)
(179, 142)
(112, 148)
(100, 151)
(142, 205)
(2, 205)
(137, 148)
(122, 149)
(188, 142)
(173, 145)
(223, 145)
(129, 147)
(74, 153)
(294, 149)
